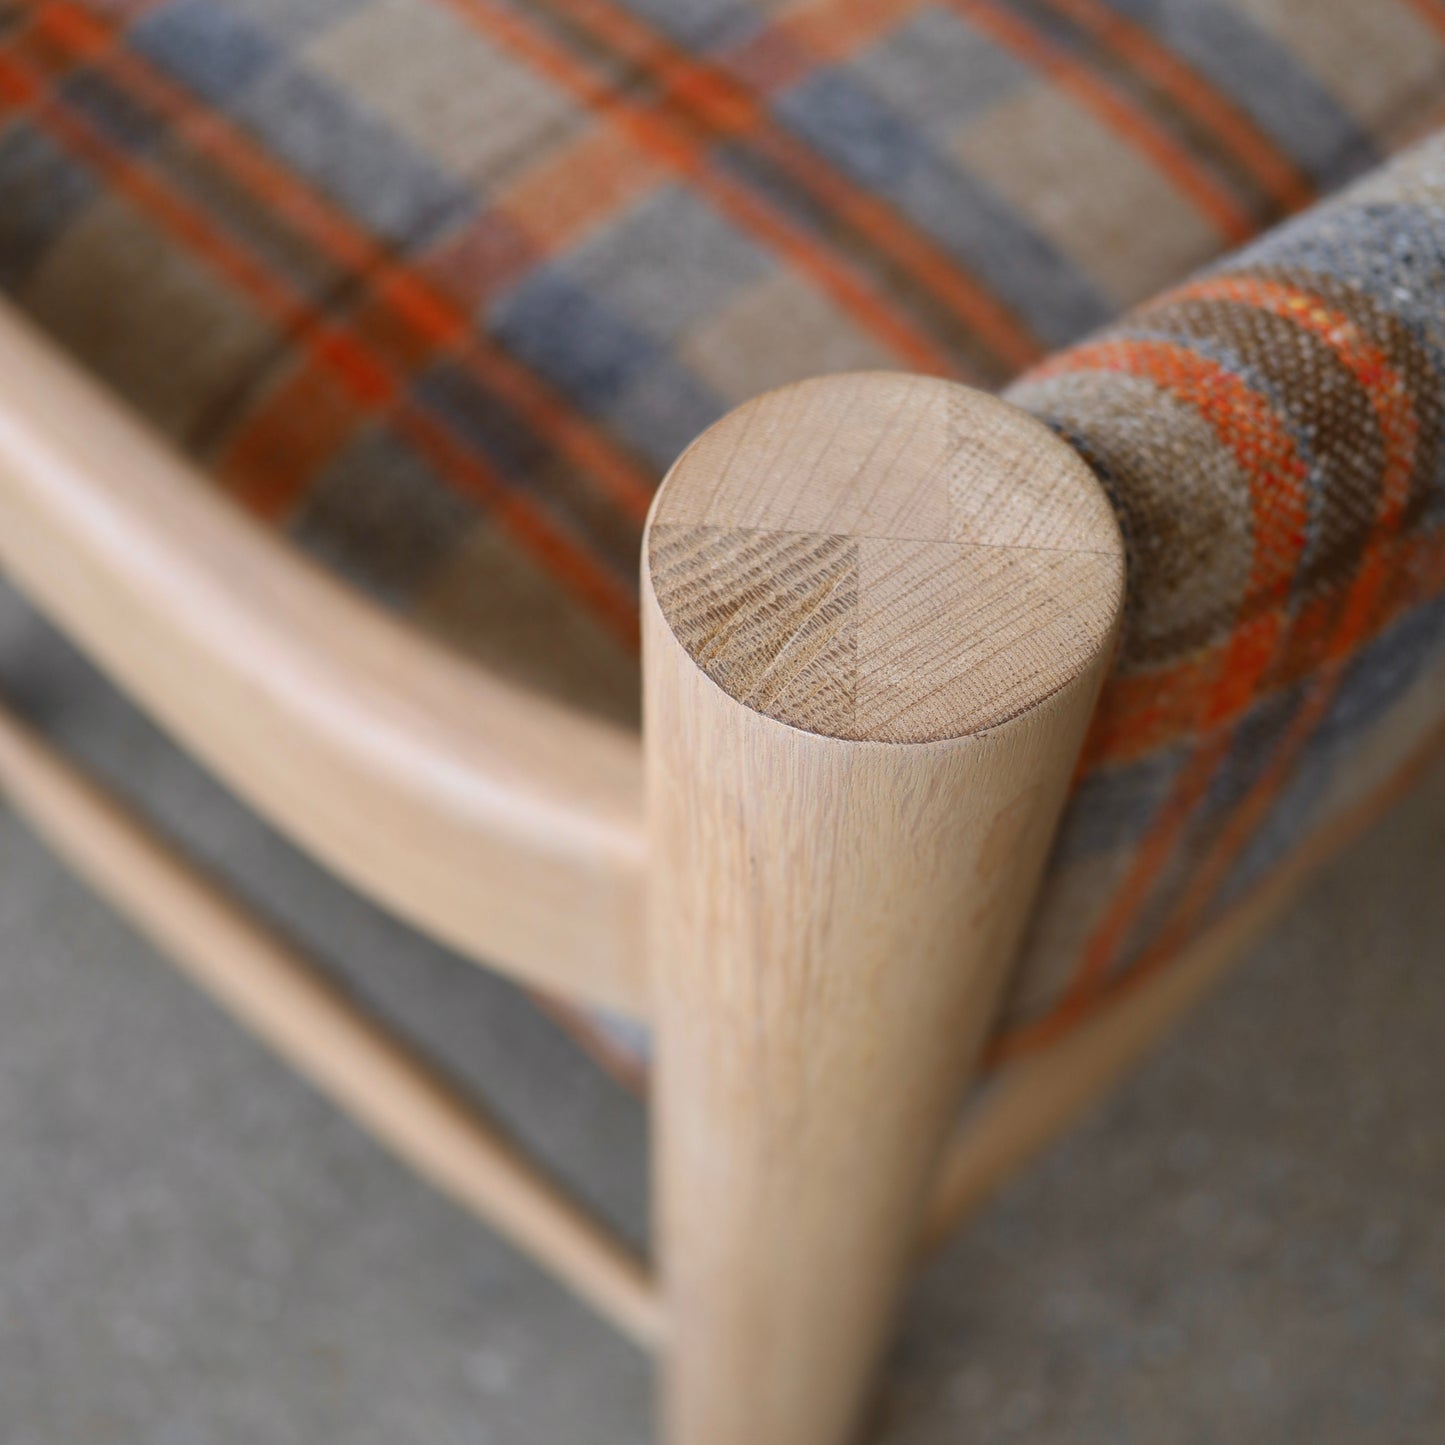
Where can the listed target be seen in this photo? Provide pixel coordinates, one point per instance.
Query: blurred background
(1247, 1244)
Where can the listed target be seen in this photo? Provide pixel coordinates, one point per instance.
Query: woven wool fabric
(440, 287)
(1272, 434)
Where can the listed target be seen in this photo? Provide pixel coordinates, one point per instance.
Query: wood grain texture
(349, 1056)
(504, 825)
(943, 566)
(831, 915)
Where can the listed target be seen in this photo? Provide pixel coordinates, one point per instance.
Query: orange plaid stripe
(704, 97)
(1282, 638)
(328, 344)
(75, 36)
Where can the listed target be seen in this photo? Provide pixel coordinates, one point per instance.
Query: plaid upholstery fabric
(1273, 436)
(439, 287)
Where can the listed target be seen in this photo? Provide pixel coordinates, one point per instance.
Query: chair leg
(847, 828)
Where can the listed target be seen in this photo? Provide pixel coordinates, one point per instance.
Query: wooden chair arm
(506, 826)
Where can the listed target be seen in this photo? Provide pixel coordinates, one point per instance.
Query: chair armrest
(503, 825)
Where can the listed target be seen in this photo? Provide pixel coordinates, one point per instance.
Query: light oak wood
(308, 1020)
(1037, 1097)
(877, 610)
(503, 825)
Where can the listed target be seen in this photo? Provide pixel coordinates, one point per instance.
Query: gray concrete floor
(1246, 1245)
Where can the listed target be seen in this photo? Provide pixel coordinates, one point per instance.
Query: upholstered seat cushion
(439, 287)
(1272, 433)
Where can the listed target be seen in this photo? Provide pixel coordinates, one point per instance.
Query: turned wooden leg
(877, 610)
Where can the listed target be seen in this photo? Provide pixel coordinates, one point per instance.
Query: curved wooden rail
(506, 826)
(351, 1057)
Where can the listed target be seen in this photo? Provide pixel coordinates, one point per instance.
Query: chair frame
(515, 832)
